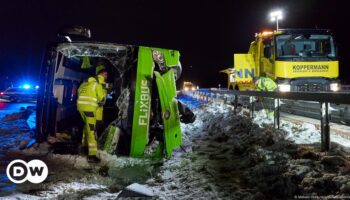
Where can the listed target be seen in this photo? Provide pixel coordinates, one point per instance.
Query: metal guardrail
(324, 99)
(345, 88)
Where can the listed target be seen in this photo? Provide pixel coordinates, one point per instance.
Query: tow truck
(141, 108)
(299, 60)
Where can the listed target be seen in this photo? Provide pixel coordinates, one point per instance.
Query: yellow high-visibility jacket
(266, 84)
(91, 94)
(99, 111)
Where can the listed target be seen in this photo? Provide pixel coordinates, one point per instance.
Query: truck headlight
(284, 87)
(186, 89)
(334, 87)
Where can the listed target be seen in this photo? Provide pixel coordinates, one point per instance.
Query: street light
(275, 16)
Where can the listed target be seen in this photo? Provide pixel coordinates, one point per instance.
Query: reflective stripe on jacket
(91, 93)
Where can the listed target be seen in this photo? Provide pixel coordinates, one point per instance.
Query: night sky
(207, 33)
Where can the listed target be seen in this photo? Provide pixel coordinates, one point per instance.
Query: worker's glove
(109, 96)
(102, 102)
(108, 86)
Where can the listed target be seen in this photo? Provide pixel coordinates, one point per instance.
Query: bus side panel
(170, 112)
(142, 103)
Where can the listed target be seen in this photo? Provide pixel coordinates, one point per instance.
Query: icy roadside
(16, 130)
(72, 177)
(69, 176)
(229, 157)
(304, 133)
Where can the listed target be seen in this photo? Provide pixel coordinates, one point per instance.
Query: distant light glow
(267, 33)
(26, 86)
(276, 15)
(37, 87)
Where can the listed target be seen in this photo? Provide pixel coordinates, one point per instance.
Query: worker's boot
(93, 159)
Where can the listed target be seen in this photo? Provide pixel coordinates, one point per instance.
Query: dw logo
(35, 171)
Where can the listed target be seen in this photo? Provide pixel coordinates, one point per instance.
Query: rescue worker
(99, 110)
(91, 99)
(265, 84)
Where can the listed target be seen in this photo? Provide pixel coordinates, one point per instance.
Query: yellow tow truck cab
(299, 60)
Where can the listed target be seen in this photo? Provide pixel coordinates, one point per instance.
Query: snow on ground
(61, 190)
(13, 133)
(225, 156)
(31, 121)
(229, 157)
(304, 133)
(72, 177)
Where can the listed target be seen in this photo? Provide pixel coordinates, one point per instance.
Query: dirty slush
(225, 156)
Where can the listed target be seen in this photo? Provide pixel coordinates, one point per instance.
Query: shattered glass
(116, 54)
(123, 103)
